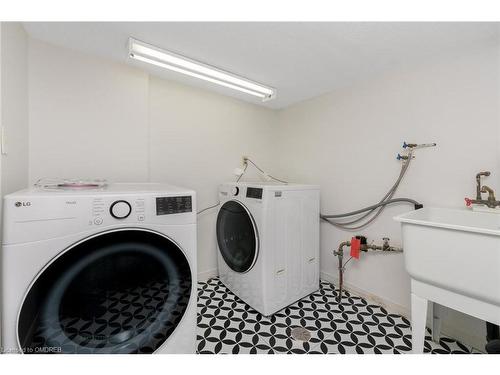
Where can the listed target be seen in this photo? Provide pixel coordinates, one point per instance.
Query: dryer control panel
(253, 192)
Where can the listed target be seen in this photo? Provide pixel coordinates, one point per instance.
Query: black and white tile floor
(227, 325)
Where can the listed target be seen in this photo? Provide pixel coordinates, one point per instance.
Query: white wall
(347, 143)
(88, 117)
(197, 138)
(93, 118)
(14, 106)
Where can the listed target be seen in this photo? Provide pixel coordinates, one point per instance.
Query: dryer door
(122, 291)
(237, 236)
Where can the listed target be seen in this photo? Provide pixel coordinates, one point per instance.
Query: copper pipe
(340, 253)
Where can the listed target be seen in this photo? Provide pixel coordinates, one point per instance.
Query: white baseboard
(476, 340)
(385, 303)
(208, 274)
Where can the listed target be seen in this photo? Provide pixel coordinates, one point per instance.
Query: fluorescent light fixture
(152, 55)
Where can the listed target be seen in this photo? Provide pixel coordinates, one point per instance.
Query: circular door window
(122, 291)
(237, 236)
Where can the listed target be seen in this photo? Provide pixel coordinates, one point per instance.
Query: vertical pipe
(341, 275)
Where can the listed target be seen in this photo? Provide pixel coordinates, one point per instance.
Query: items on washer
(100, 271)
(69, 184)
(268, 240)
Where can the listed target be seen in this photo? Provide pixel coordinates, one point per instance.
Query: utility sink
(453, 258)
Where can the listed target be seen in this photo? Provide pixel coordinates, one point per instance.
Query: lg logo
(22, 204)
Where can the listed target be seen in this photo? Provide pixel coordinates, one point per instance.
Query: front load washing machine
(108, 270)
(268, 240)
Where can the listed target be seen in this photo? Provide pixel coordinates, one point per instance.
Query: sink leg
(437, 319)
(418, 320)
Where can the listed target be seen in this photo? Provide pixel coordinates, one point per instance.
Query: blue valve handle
(402, 157)
(405, 145)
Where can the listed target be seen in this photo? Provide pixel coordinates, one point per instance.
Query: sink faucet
(491, 202)
(478, 183)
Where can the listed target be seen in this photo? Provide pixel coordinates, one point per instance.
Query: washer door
(237, 236)
(122, 291)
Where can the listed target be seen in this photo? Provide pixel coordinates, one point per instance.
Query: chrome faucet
(491, 202)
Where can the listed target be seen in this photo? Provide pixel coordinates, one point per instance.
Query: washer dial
(120, 209)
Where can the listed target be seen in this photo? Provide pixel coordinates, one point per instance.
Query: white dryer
(268, 240)
(109, 270)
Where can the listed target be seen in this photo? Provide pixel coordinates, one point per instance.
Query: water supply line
(386, 247)
(338, 220)
(208, 208)
(267, 176)
(369, 214)
(240, 172)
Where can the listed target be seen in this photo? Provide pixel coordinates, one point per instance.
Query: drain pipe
(363, 247)
(340, 254)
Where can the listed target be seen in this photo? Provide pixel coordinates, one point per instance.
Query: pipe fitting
(364, 247)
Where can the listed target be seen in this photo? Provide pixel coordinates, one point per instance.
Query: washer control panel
(139, 209)
(49, 215)
(119, 209)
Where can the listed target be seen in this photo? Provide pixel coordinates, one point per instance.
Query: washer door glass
(236, 236)
(119, 292)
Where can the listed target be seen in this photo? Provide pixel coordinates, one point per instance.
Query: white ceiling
(301, 60)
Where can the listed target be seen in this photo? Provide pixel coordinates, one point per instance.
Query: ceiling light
(152, 55)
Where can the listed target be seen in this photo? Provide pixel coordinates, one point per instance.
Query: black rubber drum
(237, 236)
(119, 292)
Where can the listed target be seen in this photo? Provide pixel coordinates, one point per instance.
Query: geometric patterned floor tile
(227, 325)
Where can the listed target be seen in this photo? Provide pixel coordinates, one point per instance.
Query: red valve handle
(468, 202)
(355, 247)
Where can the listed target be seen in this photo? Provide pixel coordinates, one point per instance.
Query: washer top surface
(111, 189)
